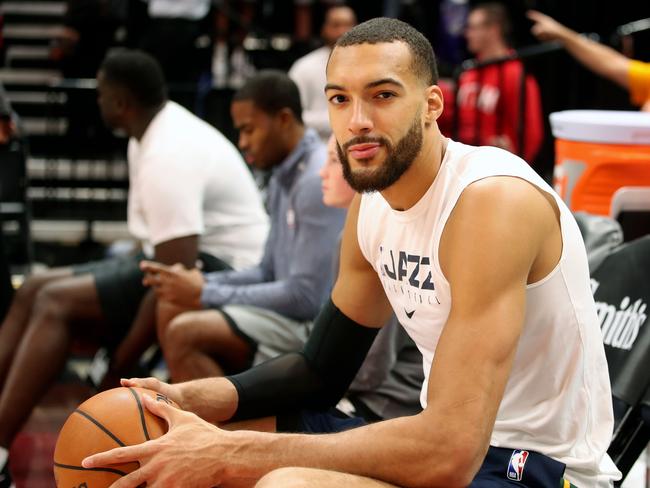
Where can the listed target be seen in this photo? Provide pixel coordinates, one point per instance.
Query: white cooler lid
(604, 126)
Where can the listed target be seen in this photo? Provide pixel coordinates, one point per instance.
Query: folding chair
(630, 206)
(622, 294)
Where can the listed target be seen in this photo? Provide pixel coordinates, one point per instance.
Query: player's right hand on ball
(173, 392)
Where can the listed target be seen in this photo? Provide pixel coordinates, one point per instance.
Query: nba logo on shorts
(516, 465)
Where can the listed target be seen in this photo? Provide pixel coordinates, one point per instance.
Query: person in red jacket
(488, 98)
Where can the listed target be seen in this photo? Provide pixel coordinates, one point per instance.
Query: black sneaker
(5, 477)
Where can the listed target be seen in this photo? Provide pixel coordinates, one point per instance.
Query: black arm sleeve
(315, 378)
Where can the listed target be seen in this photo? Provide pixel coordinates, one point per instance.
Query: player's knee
(177, 328)
(166, 312)
(26, 294)
(286, 478)
(177, 337)
(51, 300)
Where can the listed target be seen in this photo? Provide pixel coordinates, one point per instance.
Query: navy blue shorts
(118, 282)
(513, 467)
(314, 422)
(502, 467)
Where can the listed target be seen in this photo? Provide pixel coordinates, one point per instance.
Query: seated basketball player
(191, 195)
(481, 263)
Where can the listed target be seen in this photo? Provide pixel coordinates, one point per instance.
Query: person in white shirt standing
(308, 72)
(191, 196)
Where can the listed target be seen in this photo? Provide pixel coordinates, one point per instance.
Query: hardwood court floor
(32, 452)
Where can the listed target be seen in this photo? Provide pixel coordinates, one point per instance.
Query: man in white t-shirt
(191, 196)
(308, 72)
(186, 178)
(483, 265)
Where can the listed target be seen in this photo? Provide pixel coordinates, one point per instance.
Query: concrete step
(86, 169)
(31, 34)
(44, 126)
(24, 12)
(27, 52)
(81, 195)
(29, 76)
(25, 7)
(75, 231)
(36, 97)
(31, 57)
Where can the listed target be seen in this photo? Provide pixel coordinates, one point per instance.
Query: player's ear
(434, 104)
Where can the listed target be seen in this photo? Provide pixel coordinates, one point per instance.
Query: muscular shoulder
(506, 187)
(503, 201)
(498, 220)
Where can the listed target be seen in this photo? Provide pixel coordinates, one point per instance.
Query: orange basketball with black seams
(113, 418)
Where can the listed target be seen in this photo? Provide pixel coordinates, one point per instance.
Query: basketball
(113, 418)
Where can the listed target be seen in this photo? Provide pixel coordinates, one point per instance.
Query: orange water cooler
(596, 153)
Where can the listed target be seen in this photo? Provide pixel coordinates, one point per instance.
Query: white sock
(4, 456)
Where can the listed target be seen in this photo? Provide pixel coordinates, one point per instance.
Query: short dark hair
(139, 73)
(271, 90)
(383, 29)
(496, 13)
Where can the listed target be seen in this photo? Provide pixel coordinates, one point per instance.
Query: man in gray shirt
(223, 322)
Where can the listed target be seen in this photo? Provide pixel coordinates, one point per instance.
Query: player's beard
(398, 159)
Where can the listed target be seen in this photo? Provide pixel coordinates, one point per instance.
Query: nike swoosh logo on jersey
(409, 314)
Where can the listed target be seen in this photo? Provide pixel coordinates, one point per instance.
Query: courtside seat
(601, 235)
(631, 208)
(622, 292)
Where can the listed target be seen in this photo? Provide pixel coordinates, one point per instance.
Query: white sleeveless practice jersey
(557, 400)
